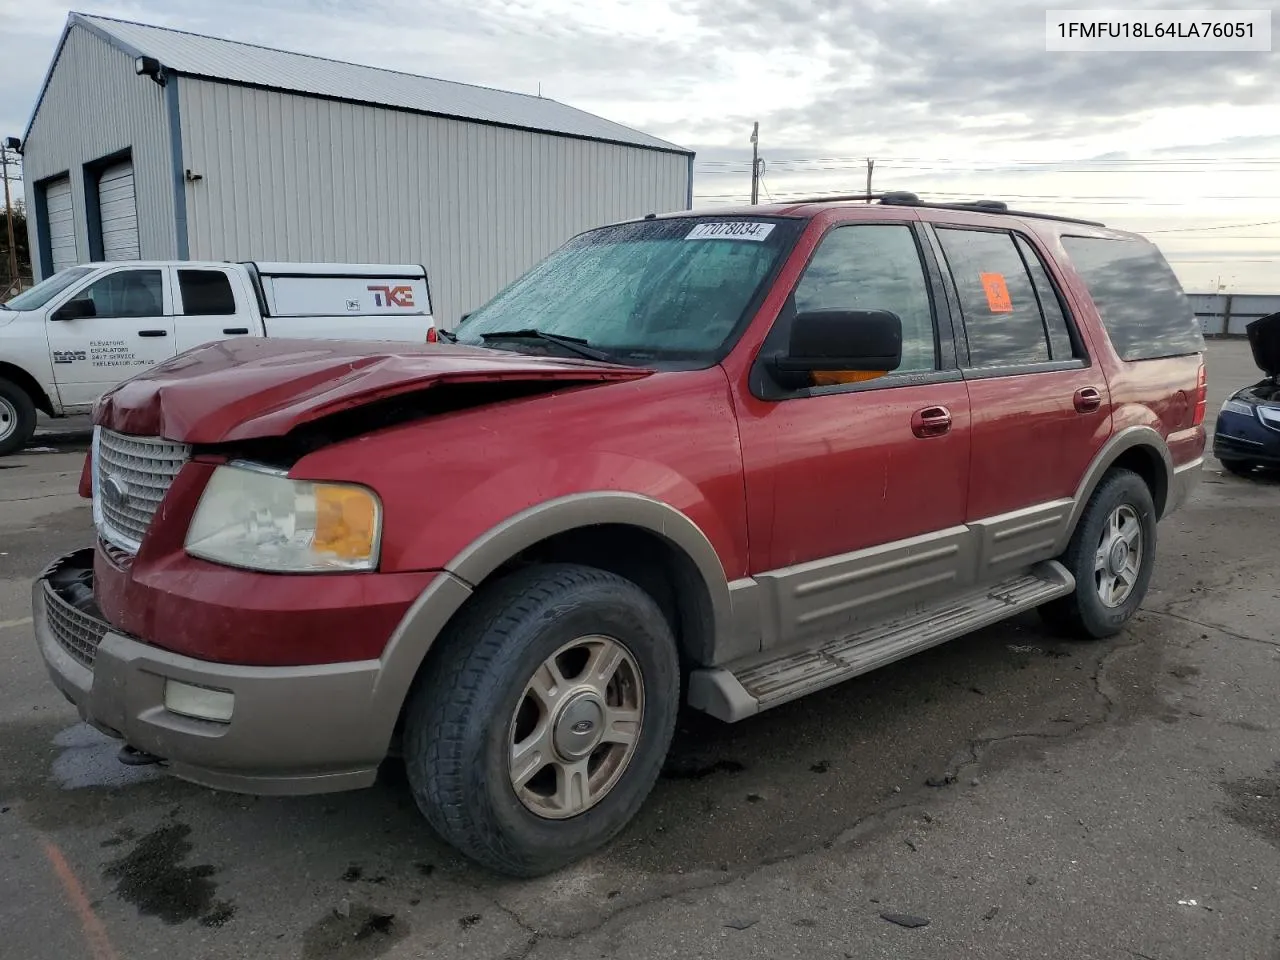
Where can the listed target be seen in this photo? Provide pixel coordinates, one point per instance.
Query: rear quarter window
(1142, 305)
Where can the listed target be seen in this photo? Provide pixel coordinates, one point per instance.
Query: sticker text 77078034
(731, 230)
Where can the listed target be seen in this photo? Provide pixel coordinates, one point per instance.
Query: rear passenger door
(209, 307)
(1039, 406)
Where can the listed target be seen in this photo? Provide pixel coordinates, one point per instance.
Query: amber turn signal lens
(831, 378)
(346, 521)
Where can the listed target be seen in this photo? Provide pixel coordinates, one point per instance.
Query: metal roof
(243, 63)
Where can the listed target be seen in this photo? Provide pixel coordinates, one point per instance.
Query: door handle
(1087, 399)
(931, 422)
(234, 331)
(153, 333)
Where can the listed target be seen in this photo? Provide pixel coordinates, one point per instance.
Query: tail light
(1202, 396)
(431, 335)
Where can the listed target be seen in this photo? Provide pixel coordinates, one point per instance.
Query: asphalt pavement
(1007, 795)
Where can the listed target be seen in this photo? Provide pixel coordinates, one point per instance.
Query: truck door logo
(392, 296)
(68, 356)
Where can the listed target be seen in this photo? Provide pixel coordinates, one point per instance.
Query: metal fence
(1227, 314)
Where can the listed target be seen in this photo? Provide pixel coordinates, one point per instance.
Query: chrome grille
(76, 632)
(131, 475)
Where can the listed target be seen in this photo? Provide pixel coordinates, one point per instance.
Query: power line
(1225, 226)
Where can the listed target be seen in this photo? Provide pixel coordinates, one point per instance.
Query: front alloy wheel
(576, 727)
(543, 716)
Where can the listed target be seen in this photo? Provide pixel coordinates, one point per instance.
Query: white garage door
(119, 213)
(62, 224)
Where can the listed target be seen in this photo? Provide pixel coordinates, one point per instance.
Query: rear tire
(17, 418)
(1111, 580)
(1241, 468)
(542, 721)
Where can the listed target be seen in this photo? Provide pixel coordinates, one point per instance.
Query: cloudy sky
(951, 99)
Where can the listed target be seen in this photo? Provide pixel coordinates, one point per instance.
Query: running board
(734, 692)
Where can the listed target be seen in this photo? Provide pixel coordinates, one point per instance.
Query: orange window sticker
(997, 292)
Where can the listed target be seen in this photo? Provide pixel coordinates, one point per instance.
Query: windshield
(47, 289)
(658, 289)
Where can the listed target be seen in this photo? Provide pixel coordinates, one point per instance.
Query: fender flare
(431, 612)
(1129, 438)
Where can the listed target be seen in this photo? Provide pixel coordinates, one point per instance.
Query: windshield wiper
(578, 345)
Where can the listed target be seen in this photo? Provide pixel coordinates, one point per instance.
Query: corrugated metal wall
(287, 177)
(1229, 313)
(96, 105)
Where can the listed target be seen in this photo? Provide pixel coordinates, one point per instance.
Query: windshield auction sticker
(731, 230)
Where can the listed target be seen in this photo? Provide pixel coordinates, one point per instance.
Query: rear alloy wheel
(1241, 468)
(543, 717)
(1111, 556)
(17, 418)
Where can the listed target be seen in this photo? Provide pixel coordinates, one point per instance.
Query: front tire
(17, 418)
(1241, 468)
(542, 722)
(1111, 555)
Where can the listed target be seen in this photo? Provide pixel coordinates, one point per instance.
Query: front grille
(76, 632)
(131, 477)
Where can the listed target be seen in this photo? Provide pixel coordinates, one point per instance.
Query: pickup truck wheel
(541, 726)
(17, 418)
(1111, 556)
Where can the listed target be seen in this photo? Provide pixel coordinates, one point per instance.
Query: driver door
(116, 326)
(856, 488)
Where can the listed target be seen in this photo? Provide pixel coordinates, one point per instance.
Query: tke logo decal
(69, 356)
(392, 296)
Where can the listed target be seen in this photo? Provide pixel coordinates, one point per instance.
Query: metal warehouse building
(158, 144)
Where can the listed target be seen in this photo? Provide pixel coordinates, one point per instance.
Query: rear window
(206, 293)
(1141, 302)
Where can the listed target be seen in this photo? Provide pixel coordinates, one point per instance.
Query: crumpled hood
(245, 388)
(1264, 338)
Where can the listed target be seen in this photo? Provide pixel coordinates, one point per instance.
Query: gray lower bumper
(308, 729)
(1185, 480)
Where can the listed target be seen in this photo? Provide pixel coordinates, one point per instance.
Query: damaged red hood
(245, 388)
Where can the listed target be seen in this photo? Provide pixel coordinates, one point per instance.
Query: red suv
(722, 459)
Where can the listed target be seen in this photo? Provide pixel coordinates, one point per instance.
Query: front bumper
(1244, 438)
(305, 729)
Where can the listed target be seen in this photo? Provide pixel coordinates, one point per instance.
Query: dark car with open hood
(1247, 433)
(722, 460)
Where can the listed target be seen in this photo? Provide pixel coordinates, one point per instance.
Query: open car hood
(1264, 338)
(246, 388)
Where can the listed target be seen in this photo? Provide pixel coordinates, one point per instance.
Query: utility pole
(870, 166)
(8, 216)
(755, 163)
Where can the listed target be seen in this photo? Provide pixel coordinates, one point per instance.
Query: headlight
(260, 519)
(1236, 406)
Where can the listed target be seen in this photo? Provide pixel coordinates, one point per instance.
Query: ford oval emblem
(583, 726)
(115, 491)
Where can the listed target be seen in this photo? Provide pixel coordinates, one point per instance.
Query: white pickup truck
(73, 336)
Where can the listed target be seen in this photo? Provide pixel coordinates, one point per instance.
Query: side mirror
(75, 310)
(843, 341)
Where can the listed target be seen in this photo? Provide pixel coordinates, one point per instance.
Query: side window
(874, 267)
(1142, 305)
(128, 293)
(206, 293)
(1055, 320)
(1001, 313)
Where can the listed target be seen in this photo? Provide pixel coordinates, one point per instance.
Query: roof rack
(908, 199)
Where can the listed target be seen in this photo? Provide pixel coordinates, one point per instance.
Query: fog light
(201, 703)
